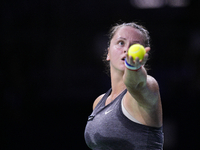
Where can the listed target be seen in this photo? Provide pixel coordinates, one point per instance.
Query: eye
(121, 43)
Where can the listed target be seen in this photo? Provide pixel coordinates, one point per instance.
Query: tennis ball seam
(139, 50)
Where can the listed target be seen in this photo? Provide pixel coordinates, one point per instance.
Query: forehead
(129, 33)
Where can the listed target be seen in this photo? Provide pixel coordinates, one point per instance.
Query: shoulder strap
(103, 100)
(100, 106)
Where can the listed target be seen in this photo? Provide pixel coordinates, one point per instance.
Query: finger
(147, 49)
(137, 61)
(128, 58)
(145, 58)
(131, 60)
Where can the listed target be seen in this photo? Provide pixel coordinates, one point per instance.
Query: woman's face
(119, 45)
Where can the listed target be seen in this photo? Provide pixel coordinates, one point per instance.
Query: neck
(117, 83)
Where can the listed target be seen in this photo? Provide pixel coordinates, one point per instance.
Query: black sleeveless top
(109, 129)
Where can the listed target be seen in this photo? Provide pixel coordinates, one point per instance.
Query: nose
(125, 49)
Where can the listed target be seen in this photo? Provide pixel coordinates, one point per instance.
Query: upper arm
(144, 103)
(97, 100)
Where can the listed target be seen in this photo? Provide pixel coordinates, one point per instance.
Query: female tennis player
(129, 115)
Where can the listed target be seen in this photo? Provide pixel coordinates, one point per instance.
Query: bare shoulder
(97, 100)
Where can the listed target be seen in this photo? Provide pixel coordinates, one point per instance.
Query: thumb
(147, 49)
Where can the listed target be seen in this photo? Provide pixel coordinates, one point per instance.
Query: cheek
(117, 50)
(115, 55)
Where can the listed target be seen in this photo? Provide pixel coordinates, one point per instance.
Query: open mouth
(123, 59)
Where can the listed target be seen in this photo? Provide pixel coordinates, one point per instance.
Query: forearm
(142, 87)
(135, 79)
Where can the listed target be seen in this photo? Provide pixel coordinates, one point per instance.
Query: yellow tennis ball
(136, 50)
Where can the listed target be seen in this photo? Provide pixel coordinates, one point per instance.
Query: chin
(122, 68)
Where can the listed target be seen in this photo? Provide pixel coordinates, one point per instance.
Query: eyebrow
(133, 42)
(121, 38)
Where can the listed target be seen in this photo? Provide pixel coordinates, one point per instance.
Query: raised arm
(142, 87)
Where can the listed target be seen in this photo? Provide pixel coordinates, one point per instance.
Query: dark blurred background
(51, 67)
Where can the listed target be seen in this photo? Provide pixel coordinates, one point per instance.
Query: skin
(142, 99)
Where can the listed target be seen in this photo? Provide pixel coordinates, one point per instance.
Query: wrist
(131, 67)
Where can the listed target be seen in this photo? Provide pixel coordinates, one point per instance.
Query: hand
(137, 63)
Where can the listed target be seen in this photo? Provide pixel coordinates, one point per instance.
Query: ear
(108, 55)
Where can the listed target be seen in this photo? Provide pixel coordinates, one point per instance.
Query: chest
(110, 128)
(105, 119)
